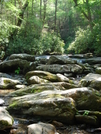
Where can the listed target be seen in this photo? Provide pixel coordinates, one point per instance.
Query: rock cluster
(58, 88)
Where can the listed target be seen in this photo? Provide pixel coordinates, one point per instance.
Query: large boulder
(6, 120)
(88, 117)
(60, 59)
(36, 88)
(98, 70)
(57, 104)
(46, 104)
(91, 80)
(41, 128)
(12, 65)
(94, 60)
(42, 74)
(36, 80)
(7, 83)
(81, 56)
(56, 68)
(22, 56)
(62, 78)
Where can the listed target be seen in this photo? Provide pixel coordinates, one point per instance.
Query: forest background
(50, 27)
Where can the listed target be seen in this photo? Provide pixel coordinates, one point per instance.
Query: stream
(21, 123)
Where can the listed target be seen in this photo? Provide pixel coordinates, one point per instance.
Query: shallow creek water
(21, 123)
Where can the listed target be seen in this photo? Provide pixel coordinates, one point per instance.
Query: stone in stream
(59, 105)
(44, 104)
(91, 80)
(7, 83)
(98, 70)
(6, 120)
(57, 68)
(23, 56)
(36, 88)
(41, 128)
(1, 102)
(42, 74)
(60, 59)
(94, 60)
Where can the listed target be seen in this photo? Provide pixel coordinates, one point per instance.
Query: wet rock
(56, 68)
(42, 59)
(98, 70)
(62, 78)
(91, 80)
(40, 128)
(22, 56)
(2, 102)
(36, 80)
(94, 60)
(80, 56)
(89, 117)
(19, 86)
(46, 104)
(5, 75)
(12, 65)
(36, 88)
(6, 83)
(60, 59)
(92, 120)
(41, 74)
(6, 121)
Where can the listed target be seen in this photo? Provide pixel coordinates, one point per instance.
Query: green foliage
(87, 41)
(86, 112)
(83, 42)
(17, 71)
(97, 39)
(51, 43)
(29, 41)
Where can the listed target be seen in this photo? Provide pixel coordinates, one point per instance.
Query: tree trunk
(55, 11)
(20, 19)
(45, 5)
(89, 15)
(40, 9)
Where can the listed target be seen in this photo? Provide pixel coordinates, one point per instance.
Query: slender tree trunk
(55, 12)
(40, 9)
(32, 6)
(21, 14)
(20, 19)
(45, 6)
(15, 17)
(89, 15)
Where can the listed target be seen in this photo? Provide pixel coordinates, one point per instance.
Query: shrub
(87, 41)
(26, 41)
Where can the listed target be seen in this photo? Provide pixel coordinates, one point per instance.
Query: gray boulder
(57, 104)
(45, 104)
(62, 78)
(41, 128)
(36, 88)
(6, 120)
(98, 70)
(22, 56)
(6, 83)
(60, 59)
(94, 60)
(80, 56)
(36, 80)
(91, 80)
(42, 74)
(12, 65)
(56, 68)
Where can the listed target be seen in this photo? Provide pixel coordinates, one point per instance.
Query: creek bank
(51, 93)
